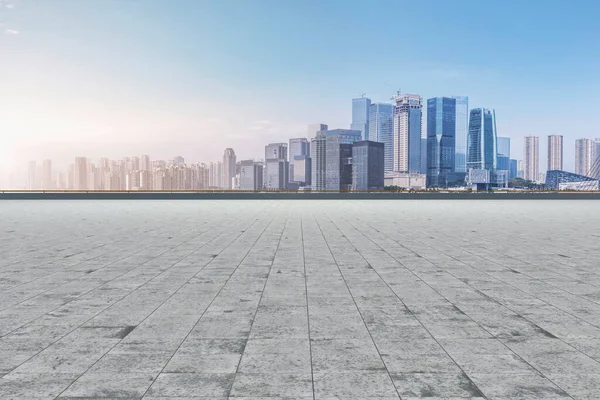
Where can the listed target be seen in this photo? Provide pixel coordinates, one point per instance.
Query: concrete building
(531, 158)
(404, 180)
(482, 149)
(302, 171)
(276, 166)
(408, 116)
(584, 156)
(229, 162)
(326, 156)
(555, 152)
(368, 161)
(251, 175)
(80, 174)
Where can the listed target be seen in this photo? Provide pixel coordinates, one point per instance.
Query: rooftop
(299, 299)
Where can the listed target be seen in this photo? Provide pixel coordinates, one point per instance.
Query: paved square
(299, 299)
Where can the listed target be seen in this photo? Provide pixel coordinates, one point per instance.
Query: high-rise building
(331, 159)
(531, 158)
(80, 173)
(215, 175)
(313, 129)
(228, 168)
(555, 152)
(368, 160)
(178, 160)
(441, 140)
(360, 116)
(520, 169)
(503, 146)
(424, 156)
(146, 165)
(276, 166)
(297, 147)
(408, 115)
(481, 142)
(302, 170)
(584, 156)
(251, 175)
(512, 169)
(462, 131)
(381, 129)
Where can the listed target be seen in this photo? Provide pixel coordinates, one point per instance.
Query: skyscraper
(338, 158)
(462, 131)
(584, 156)
(276, 166)
(503, 146)
(360, 116)
(145, 163)
(555, 152)
(228, 168)
(531, 158)
(441, 140)
(368, 165)
(481, 142)
(408, 115)
(297, 147)
(381, 129)
(512, 169)
(313, 129)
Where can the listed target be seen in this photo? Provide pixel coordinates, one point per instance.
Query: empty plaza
(299, 299)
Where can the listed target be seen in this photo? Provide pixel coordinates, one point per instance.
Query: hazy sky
(179, 77)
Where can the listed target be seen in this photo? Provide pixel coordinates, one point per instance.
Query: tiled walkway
(300, 299)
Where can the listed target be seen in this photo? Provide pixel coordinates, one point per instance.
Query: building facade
(381, 129)
(584, 156)
(338, 158)
(531, 158)
(368, 165)
(276, 166)
(408, 116)
(360, 116)
(297, 147)
(504, 146)
(555, 152)
(462, 131)
(229, 162)
(482, 149)
(441, 140)
(251, 175)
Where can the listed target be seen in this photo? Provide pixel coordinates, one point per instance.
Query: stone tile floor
(299, 299)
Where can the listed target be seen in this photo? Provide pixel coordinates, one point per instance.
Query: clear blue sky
(191, 77)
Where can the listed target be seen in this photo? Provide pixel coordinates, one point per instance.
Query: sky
(121, 78)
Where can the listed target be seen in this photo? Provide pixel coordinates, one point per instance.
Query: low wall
(233, 195)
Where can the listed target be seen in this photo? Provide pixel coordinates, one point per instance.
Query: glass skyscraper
(360, 116)
(462, 131)
(482, 145)
(381, 129)
(504, 146)
(441, 140)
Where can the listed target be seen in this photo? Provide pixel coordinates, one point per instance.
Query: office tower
(47, 182)
(80, 174)
(251, 175)
(327, 154)
(531, 158)
(368, 161)
(135, 163)
(313, 129)
(512, 169)
(381, 129)
(503, 144)
(424, 156)
(441, 140)
(302, 170)
(520, 169)
(360, 116)
(145, 163)
(481, 142)
(215, 174)
(462, 131)
(276, 166)
(502, 163)
(408, 115)
(228, 168)
(297, 147)
(555, 152)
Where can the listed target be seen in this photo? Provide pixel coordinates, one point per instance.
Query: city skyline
(146, 86)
